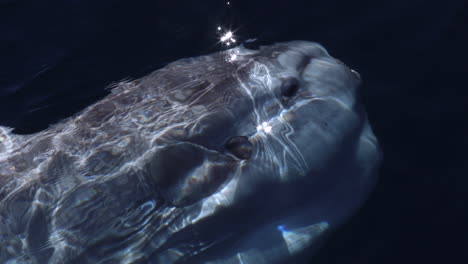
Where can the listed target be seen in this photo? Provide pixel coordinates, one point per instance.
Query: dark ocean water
(56, 57)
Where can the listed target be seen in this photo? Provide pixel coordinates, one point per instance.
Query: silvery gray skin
(241, 156)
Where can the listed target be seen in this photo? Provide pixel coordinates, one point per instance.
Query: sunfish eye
(289, 87)
(240, 147)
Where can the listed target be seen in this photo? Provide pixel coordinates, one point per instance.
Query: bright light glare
(265, 127)
(233, 57)
(227, 36)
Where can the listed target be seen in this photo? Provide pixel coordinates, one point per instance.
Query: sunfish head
(242, 156)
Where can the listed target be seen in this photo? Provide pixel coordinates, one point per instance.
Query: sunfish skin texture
(241, 156)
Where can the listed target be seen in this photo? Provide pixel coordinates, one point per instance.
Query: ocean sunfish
(241, 156)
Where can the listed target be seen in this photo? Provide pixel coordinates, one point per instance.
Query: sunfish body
(241, 156)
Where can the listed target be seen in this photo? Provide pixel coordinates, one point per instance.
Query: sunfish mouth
(241, 156)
